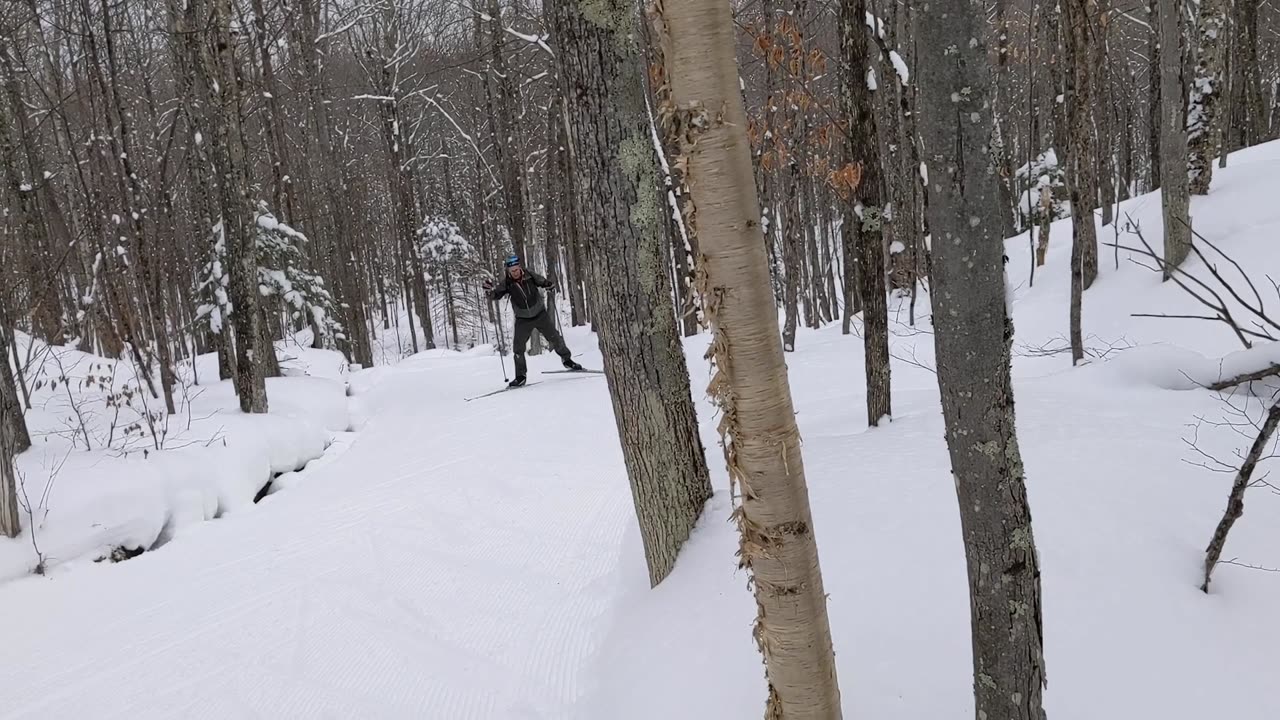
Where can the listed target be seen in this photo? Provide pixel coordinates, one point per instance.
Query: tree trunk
(1235, 501)
(503, 94)
(1173, 140)
(1154, 99)
(1081, 163)
(1104, 112)
(30, 221)
(1126, 185)
(1206, 90)
(274, 133)
(1252, 124)
(1002, 156)
(1230, 90)
(617, 190)
(762, 443)
(864, 146)
(792, 250)
(237, 215)
(849, 268)
(14, 437)
(973, 332)
(792, 30)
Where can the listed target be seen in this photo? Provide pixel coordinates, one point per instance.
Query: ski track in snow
(451, 562)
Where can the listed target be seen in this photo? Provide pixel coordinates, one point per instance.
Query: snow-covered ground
(478, 560)
(109, 469)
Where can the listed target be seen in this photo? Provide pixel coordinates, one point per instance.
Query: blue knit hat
(512, 260)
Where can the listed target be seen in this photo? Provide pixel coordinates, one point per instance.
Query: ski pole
(501, 340)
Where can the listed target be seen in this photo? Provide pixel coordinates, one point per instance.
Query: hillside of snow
(480, 560)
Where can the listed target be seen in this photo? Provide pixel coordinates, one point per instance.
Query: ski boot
(518, 382)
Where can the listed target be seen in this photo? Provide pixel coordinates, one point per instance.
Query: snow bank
(109, 469)
(1174, 368)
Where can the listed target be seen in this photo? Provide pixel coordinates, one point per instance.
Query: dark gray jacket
(526, 299)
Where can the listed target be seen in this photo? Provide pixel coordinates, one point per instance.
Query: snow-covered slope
(478, 560)
(1122, 509)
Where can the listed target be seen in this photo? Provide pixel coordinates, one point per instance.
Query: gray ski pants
(544, 324)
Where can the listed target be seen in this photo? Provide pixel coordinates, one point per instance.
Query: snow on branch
(213, 289)
(539, 40)
(357, 16)
(282, 273)
(891, 56)
(470, 140)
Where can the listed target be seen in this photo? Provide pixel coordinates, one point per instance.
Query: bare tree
(973, 332)
(761, 440)
(1173, 137)
(870, 217)
(1235, 501)
(1251, 119)
(236, 226)
(13, 434)
(1081, 166)
(1203, 136)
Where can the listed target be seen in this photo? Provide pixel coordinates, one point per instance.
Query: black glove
(488, 284)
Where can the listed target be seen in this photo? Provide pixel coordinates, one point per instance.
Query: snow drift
(109, 470)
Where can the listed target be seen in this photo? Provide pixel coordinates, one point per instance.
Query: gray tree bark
(616, 186)
(1081, 162)
(1104, 117)
(791, 141)
(223, 78)
(1001, 152)
(1251, 122)
(1173, 139)
(973, 332)
(1154, 102)
(502, 93)
(13, 435)
(870, 216)
(762, 443)
(1206, 90)
(1235, 501)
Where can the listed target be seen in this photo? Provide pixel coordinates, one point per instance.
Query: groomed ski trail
(455, 562)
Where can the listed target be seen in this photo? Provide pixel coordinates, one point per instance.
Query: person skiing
(521, 286)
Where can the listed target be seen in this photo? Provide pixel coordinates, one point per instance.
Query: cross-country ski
(502, 390)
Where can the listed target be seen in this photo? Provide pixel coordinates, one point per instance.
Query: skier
(531, 314)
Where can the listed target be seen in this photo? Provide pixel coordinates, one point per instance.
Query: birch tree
(762, 443)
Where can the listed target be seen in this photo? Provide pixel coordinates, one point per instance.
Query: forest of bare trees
(192, 177)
